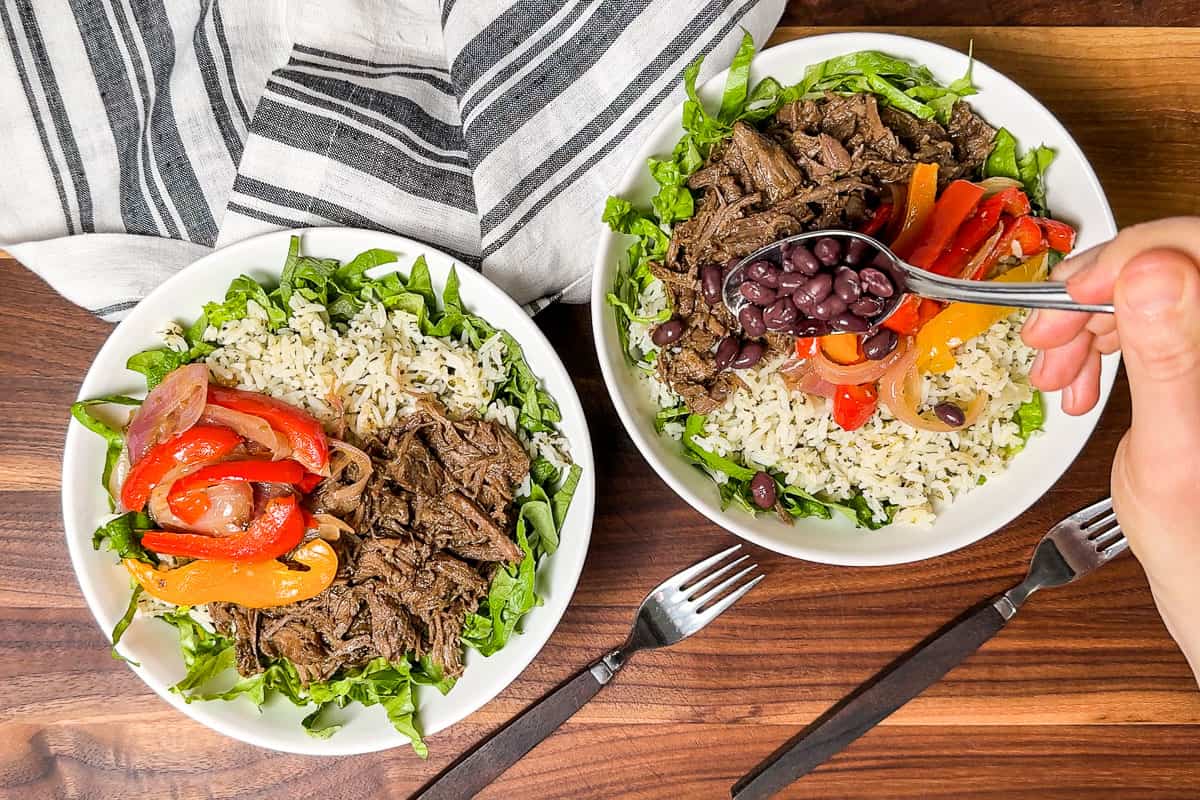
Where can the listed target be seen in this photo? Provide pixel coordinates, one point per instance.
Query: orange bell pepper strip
(950, 211)
(304, 433)
(854, 405)
(255, 585)
(844, 348)
(196, 445)
(271, 534)
(918, 206)
(959, 322)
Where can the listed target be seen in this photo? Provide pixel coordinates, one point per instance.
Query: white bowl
(154, 644)
(1075, 195)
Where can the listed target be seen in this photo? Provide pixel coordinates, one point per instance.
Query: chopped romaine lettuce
(114, 439)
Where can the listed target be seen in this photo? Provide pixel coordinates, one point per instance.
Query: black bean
(880, 344)
(752, 321)
(828, 251)
(801, 259)
(764, 272)
(829, 308)
(856, 252)
(809, 327)
(758, 294)
(728, 266)
(727, 351)
(804, 303)
(789, 282)
(710, 282)
(668, 332)
(780, 315)
(867, 307)
(818, 288)
(950, 414)
(882, 261)
(848, 323)
(762, 490)
(876, 282)
(749, 355)
(846, 285)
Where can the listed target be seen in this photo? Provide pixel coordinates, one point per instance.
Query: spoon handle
(1047, 294)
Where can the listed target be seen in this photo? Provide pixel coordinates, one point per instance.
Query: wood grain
(1083, 694)
(1009, 12)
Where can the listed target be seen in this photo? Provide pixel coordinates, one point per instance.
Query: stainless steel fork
(673, 611)
(1073, 548)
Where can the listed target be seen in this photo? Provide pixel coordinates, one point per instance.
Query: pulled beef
(824, 163)
(431, 524)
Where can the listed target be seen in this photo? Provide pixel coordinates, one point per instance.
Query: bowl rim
(733, 521)
(476, 290)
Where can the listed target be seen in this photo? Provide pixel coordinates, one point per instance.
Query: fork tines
(690, 588)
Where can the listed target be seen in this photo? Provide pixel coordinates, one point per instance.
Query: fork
(1079, 544)
(678, 607)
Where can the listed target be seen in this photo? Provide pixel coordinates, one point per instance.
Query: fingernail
(1068, 398)
(1037, 364)
(1152, 287)
(1032, 321)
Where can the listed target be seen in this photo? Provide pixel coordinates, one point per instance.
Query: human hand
(1151, 273)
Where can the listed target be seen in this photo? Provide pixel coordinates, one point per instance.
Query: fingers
(1058, 368)
(1084, 392)
(1092, 278)
(1158, 318)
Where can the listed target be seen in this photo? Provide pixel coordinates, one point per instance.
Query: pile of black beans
(837, 286)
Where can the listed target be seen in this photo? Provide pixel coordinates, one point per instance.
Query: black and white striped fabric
(139, 134)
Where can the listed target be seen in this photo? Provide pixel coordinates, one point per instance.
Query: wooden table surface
(1083, 695)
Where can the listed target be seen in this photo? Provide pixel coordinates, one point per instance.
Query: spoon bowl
(858, 268)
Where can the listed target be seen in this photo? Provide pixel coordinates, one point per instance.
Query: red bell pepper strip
(272, 534)
(304, 433)
(854, 405)
(188, 501)
(875, 223)
(196, 445)
(1028, 235)
(309, 482)
(905, 319)
(1059, 235)
(978, 229)
(807, 346)
(957, 202)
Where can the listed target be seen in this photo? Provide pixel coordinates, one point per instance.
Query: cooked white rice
(367, 377)
(888, 461)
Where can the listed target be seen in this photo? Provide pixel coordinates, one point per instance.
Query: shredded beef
(431, 528)
(824, 163)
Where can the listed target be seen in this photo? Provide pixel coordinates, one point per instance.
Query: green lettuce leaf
(1031, 415)
(1032, 167)
(510, 597)
(123, 535)
(1002, 160)
(114, 438)
(124, 622)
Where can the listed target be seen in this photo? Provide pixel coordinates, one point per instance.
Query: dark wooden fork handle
(467, 776)
(906, 678)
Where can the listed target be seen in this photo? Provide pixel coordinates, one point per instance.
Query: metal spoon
(912, 280)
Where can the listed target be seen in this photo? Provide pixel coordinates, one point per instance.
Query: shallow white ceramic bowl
(155, 645)
(1075, 196)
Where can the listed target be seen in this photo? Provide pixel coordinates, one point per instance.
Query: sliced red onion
(170, 409)
(249, 427)
(230, 505)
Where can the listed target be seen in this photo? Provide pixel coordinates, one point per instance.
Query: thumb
(1157, 300)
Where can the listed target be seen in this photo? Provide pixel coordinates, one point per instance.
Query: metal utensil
(677, 608)
(914, 280)
(1073, 548)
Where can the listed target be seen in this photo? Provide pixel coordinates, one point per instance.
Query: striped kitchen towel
(138, 134)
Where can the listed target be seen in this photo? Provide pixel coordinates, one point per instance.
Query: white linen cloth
(138, 134)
